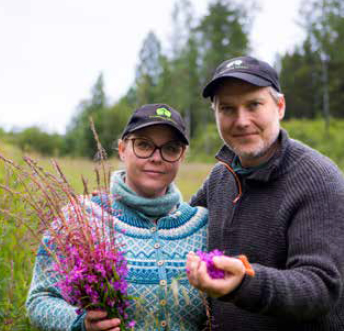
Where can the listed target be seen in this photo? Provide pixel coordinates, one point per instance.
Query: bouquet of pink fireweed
(94, 278)
(90, 263)
(88, 258)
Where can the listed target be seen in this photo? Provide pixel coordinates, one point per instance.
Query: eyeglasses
(145, 148)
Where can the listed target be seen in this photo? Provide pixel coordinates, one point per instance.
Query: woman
(155, 226)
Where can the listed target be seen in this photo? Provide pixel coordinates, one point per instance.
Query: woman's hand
(199, 278)
(95, 320)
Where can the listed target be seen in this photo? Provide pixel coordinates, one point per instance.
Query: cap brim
(160, 122)
(255, 80)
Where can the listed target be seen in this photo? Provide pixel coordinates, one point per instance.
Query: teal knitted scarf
(146, 207)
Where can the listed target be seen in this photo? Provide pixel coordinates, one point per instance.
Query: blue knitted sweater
(156, 255)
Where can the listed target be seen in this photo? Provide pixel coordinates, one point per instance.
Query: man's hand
(199, 278)
(95, 320)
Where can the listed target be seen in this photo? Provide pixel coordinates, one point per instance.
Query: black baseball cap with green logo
(244, 68)
(156, 114)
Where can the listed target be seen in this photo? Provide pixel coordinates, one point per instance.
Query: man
(278, 202)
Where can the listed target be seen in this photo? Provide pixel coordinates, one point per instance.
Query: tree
(301, 89)
(180, 70)
(148, 70)
(223, 34)
(35, 139)
(175, 78)
(312, 76)
(79, 138)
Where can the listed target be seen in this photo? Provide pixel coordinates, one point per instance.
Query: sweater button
(163, 303)
(157, 245)
(163, 282)
(153, 229)
(160, 263)
(163, 323)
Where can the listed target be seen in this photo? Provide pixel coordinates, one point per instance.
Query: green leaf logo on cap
(163, 112)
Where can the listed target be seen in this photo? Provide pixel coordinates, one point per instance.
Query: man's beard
(257, 153)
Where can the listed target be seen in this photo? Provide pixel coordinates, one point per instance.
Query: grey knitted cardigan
(288, 219)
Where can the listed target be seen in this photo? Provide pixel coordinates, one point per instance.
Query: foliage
(314, 134)
(18, 246)
(78, 136)
(223, 34)
(16, 259)
(84, 248)
(36, 139)
(2, 133)
(312, 76)
(149, 70)
(109, 120)
(310, 132)
(206, 144)
(196, 48)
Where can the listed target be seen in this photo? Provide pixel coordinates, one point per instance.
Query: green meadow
(18, 246)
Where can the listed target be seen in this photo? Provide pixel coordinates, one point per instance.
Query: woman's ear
(184, 154)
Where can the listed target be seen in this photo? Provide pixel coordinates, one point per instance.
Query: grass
(16, 261)
(314, 133)
(18, 246)
(311, 132)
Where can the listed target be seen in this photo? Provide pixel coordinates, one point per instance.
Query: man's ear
(281, 107)
(121, 149)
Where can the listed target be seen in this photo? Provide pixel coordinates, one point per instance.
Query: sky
(52, 51)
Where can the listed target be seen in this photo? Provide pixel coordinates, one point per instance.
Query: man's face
(248, 118)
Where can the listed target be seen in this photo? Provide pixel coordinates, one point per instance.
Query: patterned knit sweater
(288, 218)
(156, 255)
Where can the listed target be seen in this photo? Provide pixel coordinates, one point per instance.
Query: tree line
(311, 76)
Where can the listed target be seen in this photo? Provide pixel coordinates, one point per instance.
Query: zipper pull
(236, 199)
(238, 182)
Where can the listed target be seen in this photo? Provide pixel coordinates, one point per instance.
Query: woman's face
(150, 177)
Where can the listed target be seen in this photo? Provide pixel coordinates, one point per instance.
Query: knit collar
(239, 169)
(149, 208)
(270, 169)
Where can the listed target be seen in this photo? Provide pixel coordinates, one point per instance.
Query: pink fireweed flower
(94, 278)
(131, 324)
(91, 278)
(207, 257)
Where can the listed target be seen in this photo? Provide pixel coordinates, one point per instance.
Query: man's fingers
(204, 278)
(190, 258)
(229, 264)
(193, 262)
(199, 277)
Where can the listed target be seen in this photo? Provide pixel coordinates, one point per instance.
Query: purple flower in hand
(207, 257)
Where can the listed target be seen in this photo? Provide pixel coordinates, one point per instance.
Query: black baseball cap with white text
(245, 68)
